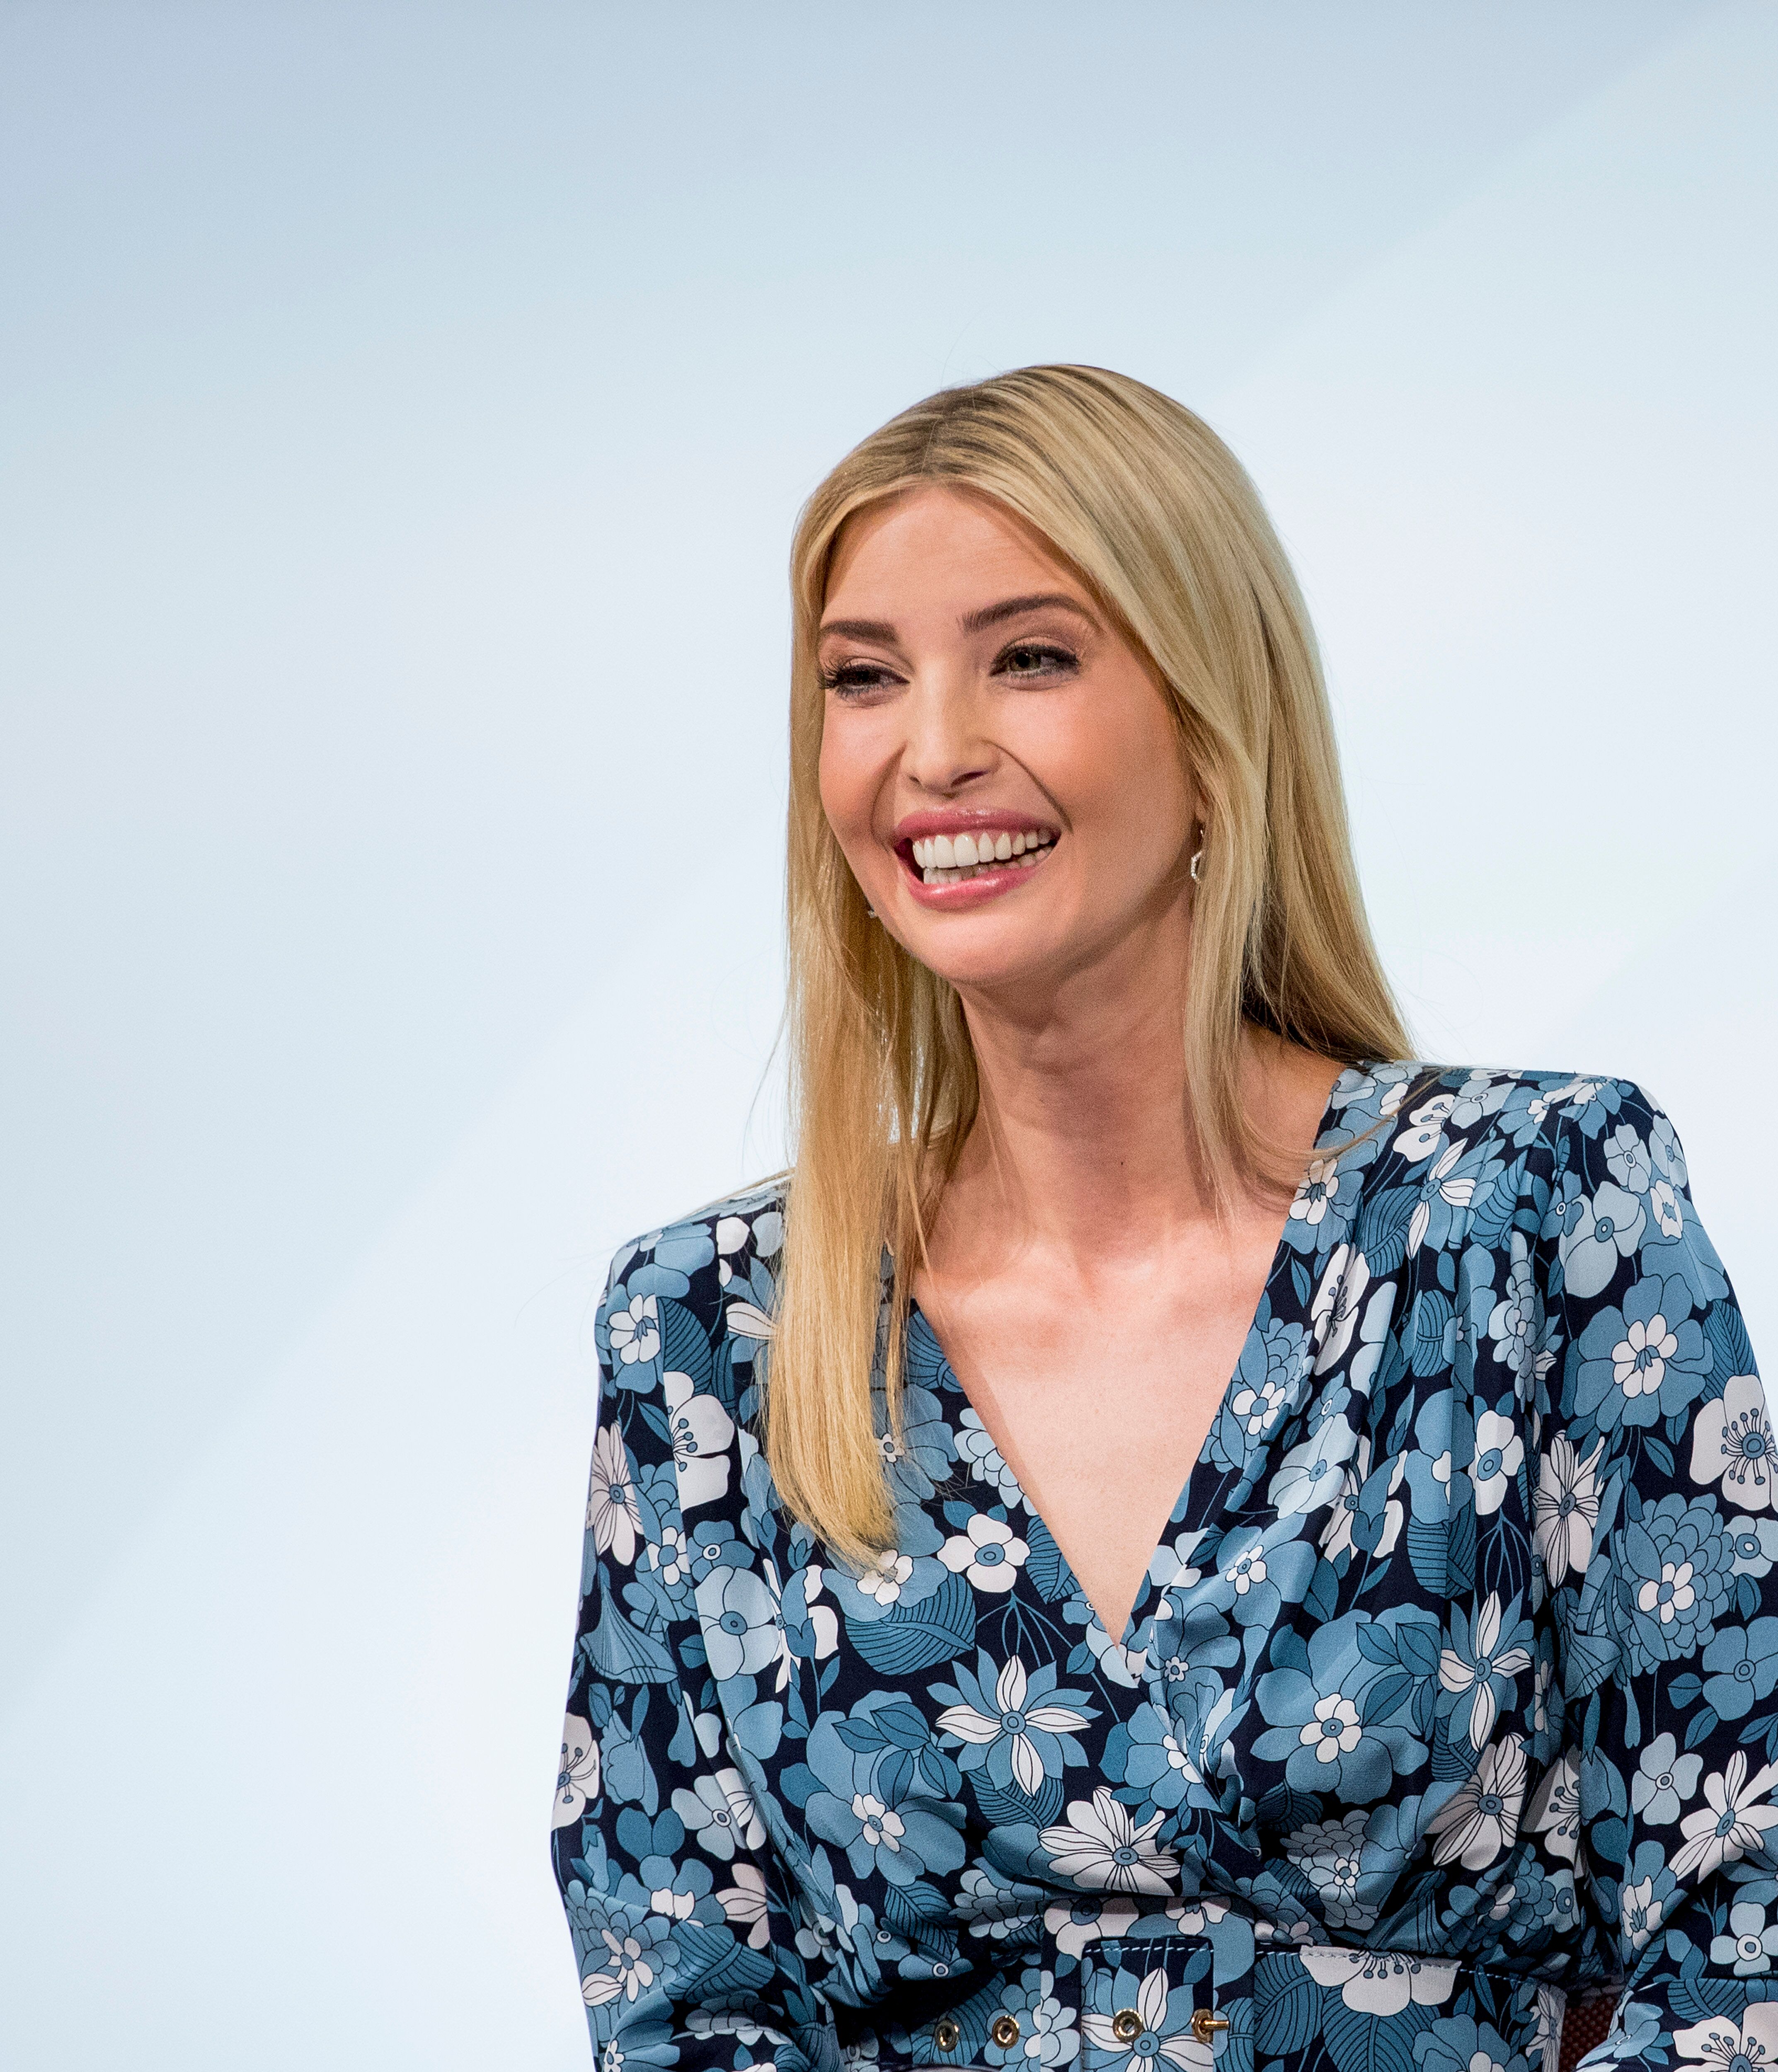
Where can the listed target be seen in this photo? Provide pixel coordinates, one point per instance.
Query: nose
(945, 750)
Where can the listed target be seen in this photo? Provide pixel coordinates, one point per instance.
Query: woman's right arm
(680, 1922)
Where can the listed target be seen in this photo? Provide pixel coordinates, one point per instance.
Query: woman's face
(999, 765)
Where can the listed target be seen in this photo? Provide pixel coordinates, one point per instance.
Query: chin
(998, 961)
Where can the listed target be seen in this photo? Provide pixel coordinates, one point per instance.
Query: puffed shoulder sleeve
(1656, 1515)
(674, 1898)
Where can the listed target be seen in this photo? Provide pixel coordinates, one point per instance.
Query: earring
(1196, 859)
(872, 911)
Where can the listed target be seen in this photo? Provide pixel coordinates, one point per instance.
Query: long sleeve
(1656, 1515)
(674, 1899)
(1455, 1685)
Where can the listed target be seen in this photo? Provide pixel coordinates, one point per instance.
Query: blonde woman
(1173, 1534)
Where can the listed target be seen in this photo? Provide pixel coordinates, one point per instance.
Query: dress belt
(1206, 2023)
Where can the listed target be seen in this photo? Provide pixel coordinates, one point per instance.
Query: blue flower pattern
(1448, 1695)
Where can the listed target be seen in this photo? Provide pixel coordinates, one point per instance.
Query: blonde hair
(1160, 520)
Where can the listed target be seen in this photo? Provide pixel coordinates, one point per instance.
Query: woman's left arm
(1656, 1515)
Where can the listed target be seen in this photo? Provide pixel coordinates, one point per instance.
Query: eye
(1026, 659)
(855, 680)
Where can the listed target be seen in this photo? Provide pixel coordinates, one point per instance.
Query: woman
(1172, 1535)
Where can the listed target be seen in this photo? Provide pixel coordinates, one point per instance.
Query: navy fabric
(1449, 1690)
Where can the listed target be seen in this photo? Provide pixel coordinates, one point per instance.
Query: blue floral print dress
(1449, 1694)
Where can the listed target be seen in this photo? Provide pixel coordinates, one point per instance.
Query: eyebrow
(1016, 607)
(972, 622)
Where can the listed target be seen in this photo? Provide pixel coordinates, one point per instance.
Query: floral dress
(1449, 1694)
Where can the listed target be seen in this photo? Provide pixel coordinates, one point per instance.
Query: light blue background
(404, 412)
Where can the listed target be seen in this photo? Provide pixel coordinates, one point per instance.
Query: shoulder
(699, 1291)
(1440, 1166)
(1417, 1110)
(701, 1252)
(1576, 1180)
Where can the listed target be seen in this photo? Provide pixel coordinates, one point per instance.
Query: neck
(1083, 1140)
(1082, 1163)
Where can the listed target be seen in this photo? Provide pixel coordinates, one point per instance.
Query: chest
(952, 1720)
(1101, 1400)
(962, 1760)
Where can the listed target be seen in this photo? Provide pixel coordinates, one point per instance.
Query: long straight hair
(1163, 525)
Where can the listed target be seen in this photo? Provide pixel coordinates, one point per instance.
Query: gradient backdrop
(404, 411)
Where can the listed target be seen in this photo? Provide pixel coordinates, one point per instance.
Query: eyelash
(1051, 653)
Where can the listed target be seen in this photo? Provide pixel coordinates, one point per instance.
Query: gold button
(1004, 2029)
(1204, 2024)
(946, 2034)
(1126, 2025)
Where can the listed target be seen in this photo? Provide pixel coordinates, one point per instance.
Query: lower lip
(970, 891)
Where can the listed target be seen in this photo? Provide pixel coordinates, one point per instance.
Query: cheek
(1125, 771)
(849, 776)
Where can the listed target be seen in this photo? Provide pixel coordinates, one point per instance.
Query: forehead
(940, 549)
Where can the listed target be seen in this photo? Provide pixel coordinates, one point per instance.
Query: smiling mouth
(955, 859)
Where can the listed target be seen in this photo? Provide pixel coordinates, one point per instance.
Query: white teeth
(947, 859)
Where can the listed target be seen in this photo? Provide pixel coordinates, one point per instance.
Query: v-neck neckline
(1185, 1504)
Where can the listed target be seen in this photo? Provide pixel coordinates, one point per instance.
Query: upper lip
(968, 820)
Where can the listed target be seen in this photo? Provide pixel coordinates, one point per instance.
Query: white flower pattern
(988, 1554)
(1463, 1630)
